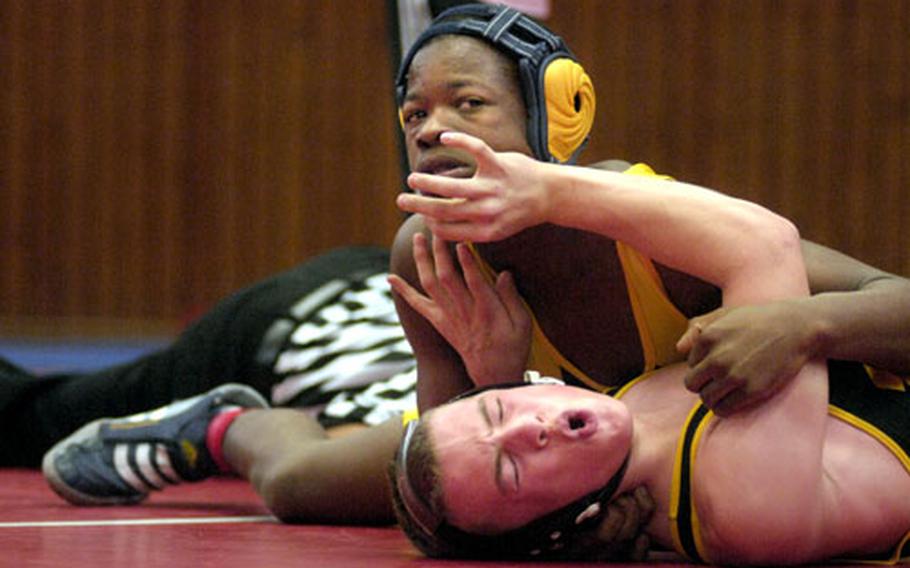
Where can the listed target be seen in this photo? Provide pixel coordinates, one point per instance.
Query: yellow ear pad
(570, 107)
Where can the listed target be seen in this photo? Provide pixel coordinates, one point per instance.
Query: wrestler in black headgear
(558, 94)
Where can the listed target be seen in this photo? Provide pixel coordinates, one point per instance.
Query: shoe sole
(62, 488)
(229, 393)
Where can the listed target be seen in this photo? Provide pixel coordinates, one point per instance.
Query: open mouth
(579, 423)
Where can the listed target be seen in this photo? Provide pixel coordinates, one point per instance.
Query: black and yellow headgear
(558, 94)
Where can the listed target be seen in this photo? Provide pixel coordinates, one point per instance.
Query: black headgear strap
(546, 536)
(513, 33)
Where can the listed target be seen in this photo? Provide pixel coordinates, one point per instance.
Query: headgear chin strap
(548, 536)
(558, 94)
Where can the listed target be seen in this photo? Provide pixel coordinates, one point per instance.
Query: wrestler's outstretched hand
(487, 324)
(503, 197)
(739, 357)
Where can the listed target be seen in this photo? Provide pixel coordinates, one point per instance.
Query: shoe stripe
(143, 454)
(159, 455)
(164, 465)
(135, 451)
(125, 470)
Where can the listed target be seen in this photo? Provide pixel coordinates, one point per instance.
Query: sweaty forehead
(463, 56)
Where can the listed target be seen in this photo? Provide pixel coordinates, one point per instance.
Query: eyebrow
(451, 85)
(497, 463)
(456, 84)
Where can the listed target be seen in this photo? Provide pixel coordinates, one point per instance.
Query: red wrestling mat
(215, 523)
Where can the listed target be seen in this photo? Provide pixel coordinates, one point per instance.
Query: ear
(570, 104)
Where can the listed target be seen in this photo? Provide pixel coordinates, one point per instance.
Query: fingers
(477, 285)
(645, 502)
(498, 305)
(732, 403)
(719, 388)
(610, 524)
(715, 390)
(619, 535)
(631, 519)
(685, 343)
(693, 333)
(459, 291)
(456, 189)
(486, 302)
(481, 151)
(450, 199)
(438, 190)
(415, 299)
(511, 299)
(434, 207)
(426, 271)
(438, 271)
(698, 376)
(726, 391)
(621, 521)
(425, 303)
(452, 220)
(449, 277)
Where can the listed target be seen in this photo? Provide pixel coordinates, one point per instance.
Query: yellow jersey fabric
(660, 323)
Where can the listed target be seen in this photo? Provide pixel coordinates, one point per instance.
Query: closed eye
(513, 464)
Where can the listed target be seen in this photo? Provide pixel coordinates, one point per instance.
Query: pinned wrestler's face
(461, 84)
(507, 457)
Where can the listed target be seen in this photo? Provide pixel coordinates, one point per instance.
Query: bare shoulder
(402, 261)
(868, 518)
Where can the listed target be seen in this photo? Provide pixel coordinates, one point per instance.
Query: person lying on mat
(294, 461)
(819, 470)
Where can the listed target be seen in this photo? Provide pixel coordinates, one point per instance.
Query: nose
(434, 124)
(525, 433)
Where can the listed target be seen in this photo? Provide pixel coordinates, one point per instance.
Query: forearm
(723, 240)
(441, 375)
(303, 474)
(871, 325)
(857, 312)
(258, 441)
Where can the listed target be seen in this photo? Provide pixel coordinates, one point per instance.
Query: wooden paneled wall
(801, 105)
(155, 155)
(158, 155)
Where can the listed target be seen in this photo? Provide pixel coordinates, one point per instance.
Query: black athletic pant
(36, 412)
